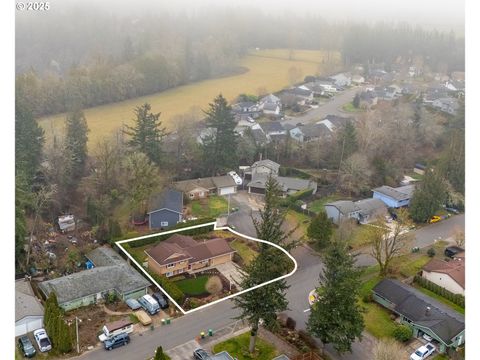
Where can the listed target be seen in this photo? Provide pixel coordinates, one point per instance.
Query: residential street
(305, 279)
(332, 107)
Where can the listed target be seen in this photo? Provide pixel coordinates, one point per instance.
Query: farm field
(266, 69)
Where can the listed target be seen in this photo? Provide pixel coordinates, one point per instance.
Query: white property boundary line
(215, 228)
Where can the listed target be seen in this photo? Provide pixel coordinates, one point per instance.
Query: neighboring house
(246, 108)
(259, 137)
(423, 314)
(455, 86)
(342, 79)
(288, 185)
(386, 93)
(272, 99)
(110, 274)
(301, 93)
(368, 99)
(271, 109)
(377, 75)
(448, 105)
(409, 89)
(264, 167)
(364, 211)
(333, 122)
(196, 188)
(225, 185)
(325, 86)
(310, 132)
(394, 197)
(180, 253)
(243, 125)
(447, 274)
(272, 129)
(165, 209)
(28, 309)
(358, 79)
(206, 133)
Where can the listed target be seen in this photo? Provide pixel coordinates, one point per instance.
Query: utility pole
(76, 327)
(228, 211)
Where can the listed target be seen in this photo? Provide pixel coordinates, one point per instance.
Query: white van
(149, 304)
(115, 328)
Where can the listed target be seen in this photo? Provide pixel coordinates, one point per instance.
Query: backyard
(318, 205)
(212, 207)
(238, 348)
(243, 250)
(266, 69)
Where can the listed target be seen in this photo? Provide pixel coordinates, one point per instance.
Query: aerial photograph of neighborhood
(236, 180)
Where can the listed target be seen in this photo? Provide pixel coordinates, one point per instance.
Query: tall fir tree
(336, 317)
(266, 302)
(320, 230)
(220, 149)
(76, 143)
(429, 196)
(147, 134)
(347, 141)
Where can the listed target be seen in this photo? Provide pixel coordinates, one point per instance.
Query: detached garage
(28, 309)
(225, 185)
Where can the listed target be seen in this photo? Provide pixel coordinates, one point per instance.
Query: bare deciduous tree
(389, 241)
(459, 236)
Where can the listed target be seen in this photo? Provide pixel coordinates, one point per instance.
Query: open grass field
(238, 346)
(266, 69)
(193, 286)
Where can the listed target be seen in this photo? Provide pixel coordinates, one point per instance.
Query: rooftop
(411, 303)
(26, 304)
(398, 193)
(168, 199)
(454, 268)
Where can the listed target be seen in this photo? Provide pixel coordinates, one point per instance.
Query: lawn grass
(193, 286)
(212, 206)
(440, 299)
(238, 348)
(301, 221)
(350, 108)
(266, 69)
(410, 264)
(377, 321)
(244, 251)
(318, 205)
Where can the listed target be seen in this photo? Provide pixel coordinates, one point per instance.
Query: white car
(236, 178)
(423, 352)
(42, 339)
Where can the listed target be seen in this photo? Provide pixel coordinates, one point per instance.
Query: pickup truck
(423, 352)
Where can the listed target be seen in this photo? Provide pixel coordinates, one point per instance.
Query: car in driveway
(423, 352)
(161, 299)
(201, 354)
(26, 346)
(42, 340)
(133, 304)
(116, 341)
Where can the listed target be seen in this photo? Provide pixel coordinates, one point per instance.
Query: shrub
(367, 298)
(291, 323)
(431, 252)
(402, 333)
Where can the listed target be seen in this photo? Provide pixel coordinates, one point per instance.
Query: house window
(168, 274)
(170, 265)
(164, 223)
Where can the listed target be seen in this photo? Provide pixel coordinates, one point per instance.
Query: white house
(28, 309)
(342, 79)
(447, 274)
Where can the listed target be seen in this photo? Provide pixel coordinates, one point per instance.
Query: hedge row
(457, 299)
(198, 231)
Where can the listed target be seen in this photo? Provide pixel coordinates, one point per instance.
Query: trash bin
(210, 332)
(168, 321)
(152, 327)
(163, 321)
(202, 334)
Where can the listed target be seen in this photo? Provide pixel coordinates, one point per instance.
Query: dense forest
(77, 58)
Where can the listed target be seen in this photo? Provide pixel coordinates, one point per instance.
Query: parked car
(133, 304)
(451, 251)
(200, 354)
(423, 352)
(434, 219)
(149, 304)
(452, 210)
(26, 346)
(143, 317)
(42, 339)
(161, 299)
(116, 341)
(115, 328)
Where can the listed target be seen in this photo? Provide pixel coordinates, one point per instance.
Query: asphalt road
(332, 107)
(301, 283)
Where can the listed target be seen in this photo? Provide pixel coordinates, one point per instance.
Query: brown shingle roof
(454, 268)
(185, 247)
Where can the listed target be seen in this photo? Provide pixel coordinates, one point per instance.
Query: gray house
(28, 309)
(364, 211)
(289, 185)
(111, 274)
(165, 209)
(422, 313)
(340, 210)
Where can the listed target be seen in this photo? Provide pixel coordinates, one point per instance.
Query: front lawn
(213, 206)
(193, 286)
(244, 251)
(350, 108)
(238, 347)
(295, 219)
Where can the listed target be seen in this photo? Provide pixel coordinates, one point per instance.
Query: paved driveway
(183, 351)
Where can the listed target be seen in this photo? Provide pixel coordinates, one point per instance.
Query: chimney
(427, 311)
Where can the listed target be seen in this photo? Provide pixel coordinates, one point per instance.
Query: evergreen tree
(29, 140)
(21, 231)
(265, 302)
(336, 318)
(346, 142)
(320, 230)
(356, 101)
(147, 134)
(429, 196)
(76, 144)
(159, 354)
(220, 149)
